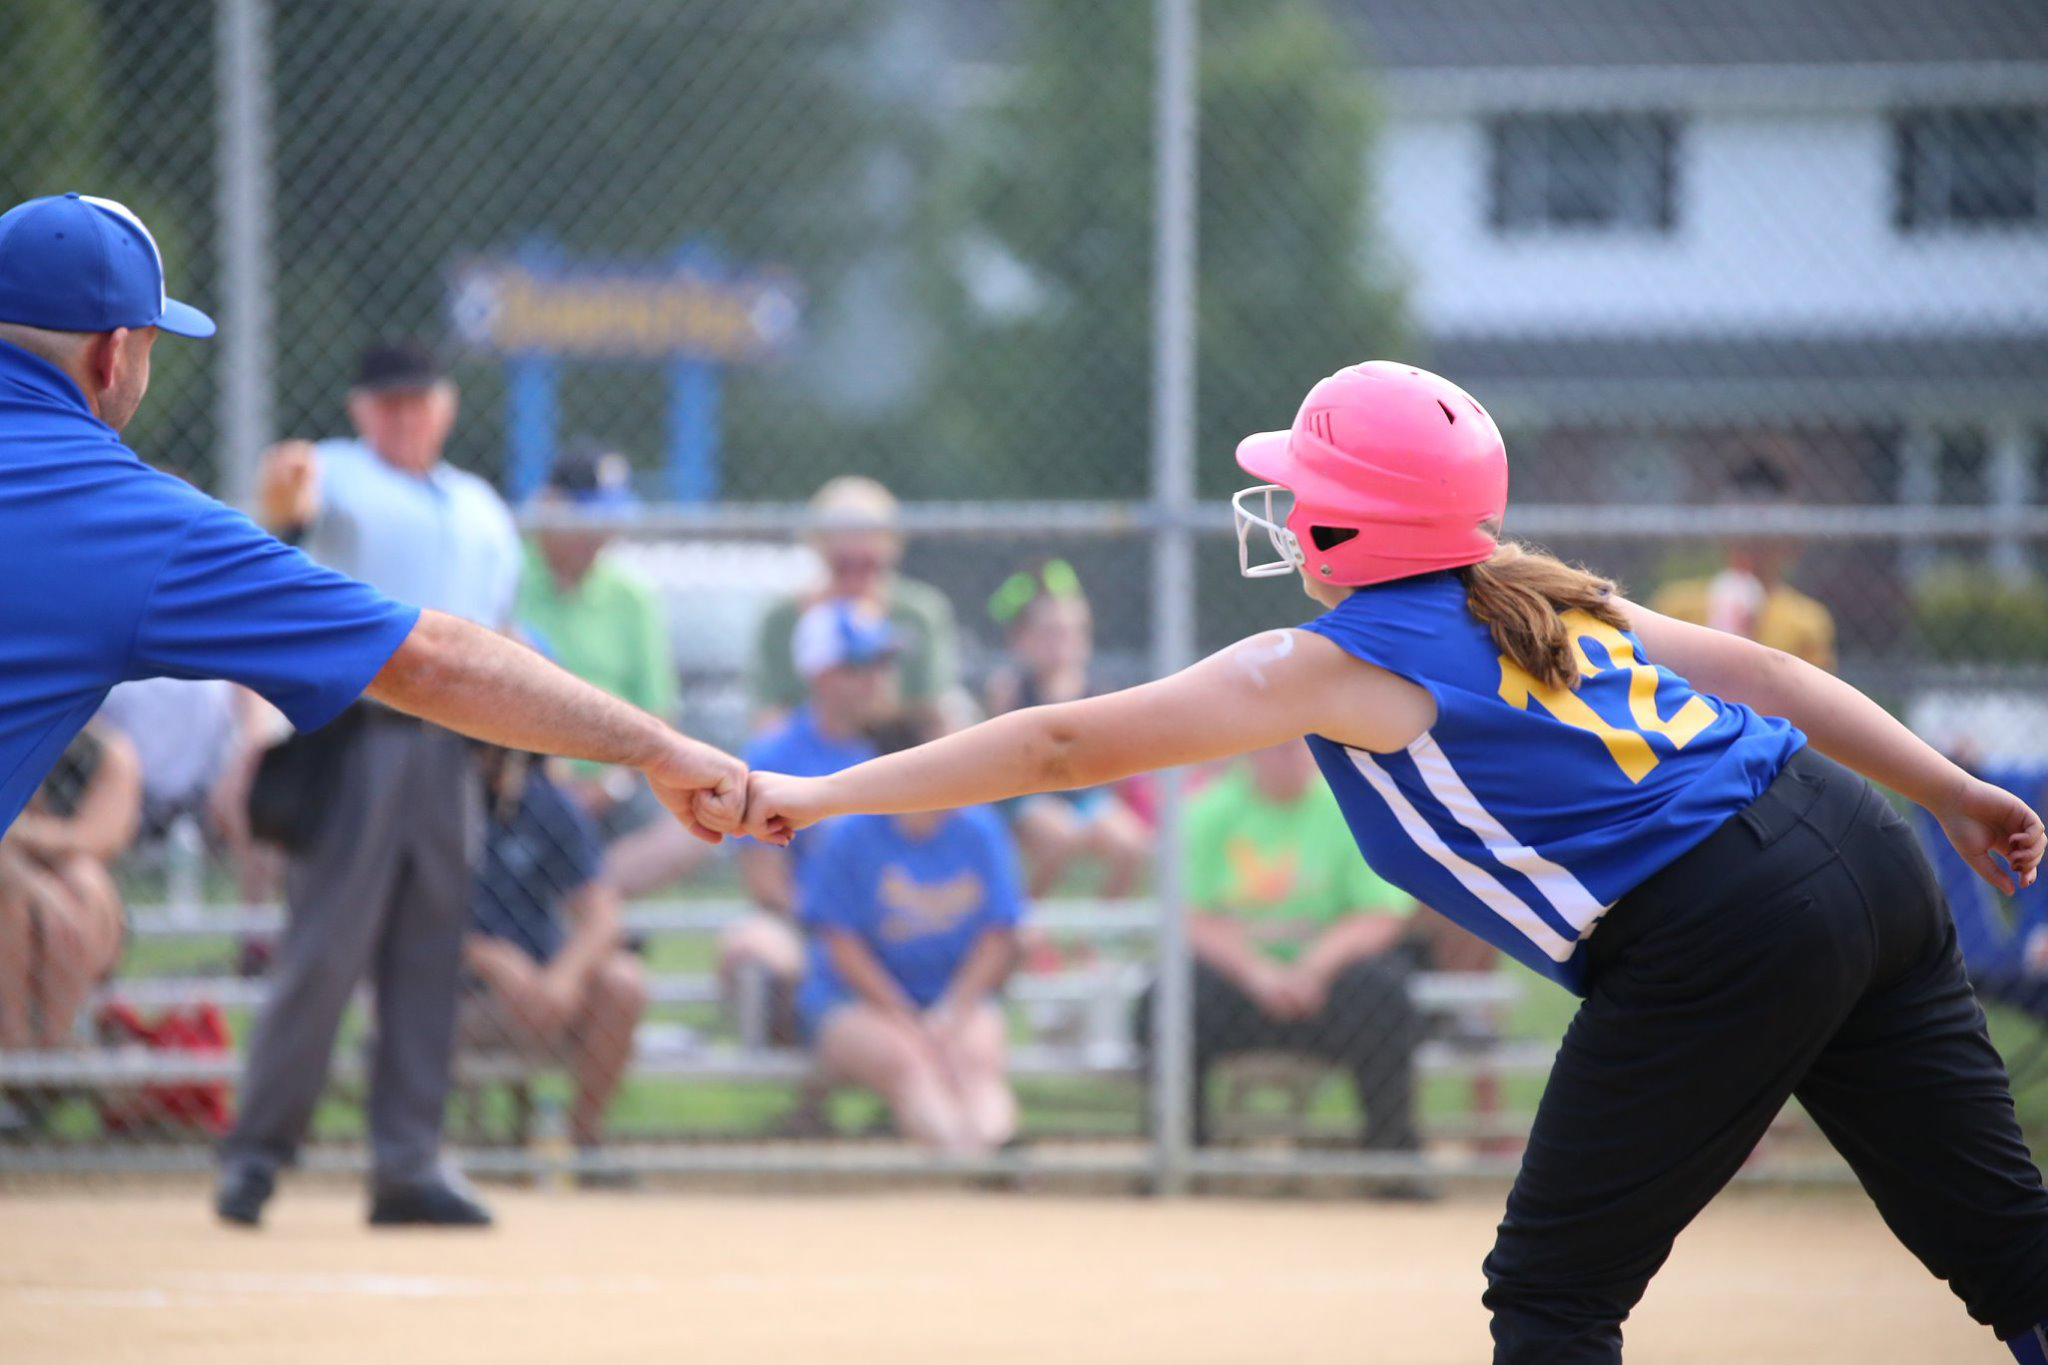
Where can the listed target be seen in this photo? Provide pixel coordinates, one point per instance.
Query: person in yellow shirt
(1750, 596)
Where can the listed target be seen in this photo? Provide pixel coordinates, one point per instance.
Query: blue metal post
(693, 396)
(530, 420)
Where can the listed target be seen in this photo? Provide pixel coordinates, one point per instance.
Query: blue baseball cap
(590, 477)
(75, 263)
(841, 634)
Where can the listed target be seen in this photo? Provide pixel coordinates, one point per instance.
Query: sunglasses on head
(1055, 578)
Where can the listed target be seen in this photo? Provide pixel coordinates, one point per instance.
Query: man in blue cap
(110, 570)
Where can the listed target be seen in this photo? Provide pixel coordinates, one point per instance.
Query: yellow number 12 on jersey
(1630, 749)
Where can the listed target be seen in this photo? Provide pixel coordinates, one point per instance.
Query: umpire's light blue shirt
(443, 539)
(111, 570)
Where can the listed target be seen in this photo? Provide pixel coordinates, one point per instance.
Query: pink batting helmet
(1405, 459)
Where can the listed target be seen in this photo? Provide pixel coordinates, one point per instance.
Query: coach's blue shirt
(111, 570)
(1526, 811)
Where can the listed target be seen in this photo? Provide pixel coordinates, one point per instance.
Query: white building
(1822, 223)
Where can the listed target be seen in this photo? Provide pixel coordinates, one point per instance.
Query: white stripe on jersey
(1564, 891)
(1475, 879)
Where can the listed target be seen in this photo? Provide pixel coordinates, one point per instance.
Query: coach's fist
(703, 787)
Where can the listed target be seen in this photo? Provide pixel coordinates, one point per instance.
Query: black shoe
(241, 1192)
(439, 1203)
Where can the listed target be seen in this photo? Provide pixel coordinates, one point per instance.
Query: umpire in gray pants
(380, 885)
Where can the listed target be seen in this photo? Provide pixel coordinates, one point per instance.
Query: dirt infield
(121, 1275)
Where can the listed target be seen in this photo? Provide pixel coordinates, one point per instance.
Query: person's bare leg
(68, 968)
(510, 1008)
(657, 854)
(1122, 846)
(604, 1044)
(861, 1044)
(978, 1069)
(99, 897)
(771, 947)
(1048, 838)
(18, 956)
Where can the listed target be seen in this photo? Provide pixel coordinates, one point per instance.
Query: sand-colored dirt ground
(123, 1275)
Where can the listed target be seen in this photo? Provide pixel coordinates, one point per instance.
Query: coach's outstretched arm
(478, 683)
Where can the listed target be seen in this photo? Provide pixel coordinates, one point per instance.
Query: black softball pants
(1803, 950)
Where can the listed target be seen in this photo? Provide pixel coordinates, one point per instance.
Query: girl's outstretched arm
(1855, 731)
(1272, 687)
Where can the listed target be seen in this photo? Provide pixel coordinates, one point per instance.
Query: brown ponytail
(1522, 594)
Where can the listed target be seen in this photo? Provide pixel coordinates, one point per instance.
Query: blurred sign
(575, 312)
(689, 317)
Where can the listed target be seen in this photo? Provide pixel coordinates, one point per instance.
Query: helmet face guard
(1273, 522)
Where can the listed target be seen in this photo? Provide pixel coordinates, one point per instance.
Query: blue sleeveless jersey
(1526, 811)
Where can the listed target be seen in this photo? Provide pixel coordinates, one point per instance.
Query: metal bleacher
(1073, 1022)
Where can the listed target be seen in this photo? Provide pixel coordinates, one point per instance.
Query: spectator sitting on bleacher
(1298, 946)
(184, 732)
(555, 992)
(60, 912)
(846, 652)
(1050, 634)
(193, 738)
(601, 623)
(913, 922)
(861, 546)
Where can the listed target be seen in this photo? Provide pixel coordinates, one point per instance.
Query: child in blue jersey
(912, 924)
(846, 653)
(1637, 808)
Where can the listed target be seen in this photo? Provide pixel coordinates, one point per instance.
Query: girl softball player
(1682, 842)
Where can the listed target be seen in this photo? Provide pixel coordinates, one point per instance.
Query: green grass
(2019, 1038)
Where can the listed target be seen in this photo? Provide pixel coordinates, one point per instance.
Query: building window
(1985, 167)
(1611, 172)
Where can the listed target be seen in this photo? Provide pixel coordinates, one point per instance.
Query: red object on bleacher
(156, 1108)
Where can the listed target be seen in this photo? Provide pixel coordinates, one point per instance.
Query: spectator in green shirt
(601, 623)
(862, 546)
(1298, 946)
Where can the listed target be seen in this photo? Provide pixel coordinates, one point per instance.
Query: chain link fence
(1761, 305)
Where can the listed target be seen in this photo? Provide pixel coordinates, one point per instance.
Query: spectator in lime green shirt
(601, 623)
(1298, 946)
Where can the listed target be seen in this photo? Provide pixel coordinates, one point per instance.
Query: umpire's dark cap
(398, 366)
